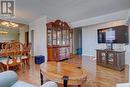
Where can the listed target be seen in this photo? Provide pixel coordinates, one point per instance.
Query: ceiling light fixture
(3, 32)
(9, 24)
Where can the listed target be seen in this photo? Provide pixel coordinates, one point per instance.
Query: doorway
(27, 37)
(77, 45)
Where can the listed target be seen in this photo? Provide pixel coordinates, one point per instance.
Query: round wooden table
(55, 71)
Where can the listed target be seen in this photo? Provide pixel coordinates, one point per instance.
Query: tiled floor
(97, 76)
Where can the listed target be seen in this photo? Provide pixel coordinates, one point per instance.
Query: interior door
(27, 37)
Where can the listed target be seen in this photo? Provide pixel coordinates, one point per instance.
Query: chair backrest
(7, 49)
(3, 46)
(18, 49)
(13, 52)
(2, 50)
(27, 48)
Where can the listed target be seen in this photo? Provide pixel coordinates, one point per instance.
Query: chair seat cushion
(49, 84)
(22, 84)
(24, 57)
(2, 58)
(10, 61)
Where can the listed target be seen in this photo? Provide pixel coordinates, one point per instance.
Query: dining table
(4, 53)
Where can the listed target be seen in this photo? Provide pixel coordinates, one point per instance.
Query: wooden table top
(56, 70)
(4, 53)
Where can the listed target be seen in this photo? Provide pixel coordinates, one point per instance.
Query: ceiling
(69, 10)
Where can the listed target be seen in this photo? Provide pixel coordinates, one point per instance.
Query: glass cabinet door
(54, 37)
(71, 42)
(103, 57)
(67, 37)
(59, 37)
(64, 37)
(110, 58)
(49, 37)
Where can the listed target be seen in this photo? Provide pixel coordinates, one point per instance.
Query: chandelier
(9, 24)
(3, 32)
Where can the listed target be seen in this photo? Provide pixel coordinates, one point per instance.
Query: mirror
(12, 31)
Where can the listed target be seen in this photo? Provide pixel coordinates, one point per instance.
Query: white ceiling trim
(128, 18)
(121, 15)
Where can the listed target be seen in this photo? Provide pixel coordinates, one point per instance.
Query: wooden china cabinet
(59, 40)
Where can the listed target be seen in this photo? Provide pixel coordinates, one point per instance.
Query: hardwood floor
(98, 76)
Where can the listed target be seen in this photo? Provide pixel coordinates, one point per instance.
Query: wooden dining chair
(13, 54)
(2, 55)
(3, 48)
(1, 67)
(26, 54)
(3, 45)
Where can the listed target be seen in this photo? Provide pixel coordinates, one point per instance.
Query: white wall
(40, 42)
(77, 40)
(128, 18)
(22, 31)
(89, 40)
(128, 22)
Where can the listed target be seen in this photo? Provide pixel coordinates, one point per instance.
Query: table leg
(65, 82)
(1, 68)
(41, 76)
(83, 84)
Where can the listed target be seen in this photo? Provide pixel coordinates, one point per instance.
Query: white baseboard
(123, 85)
